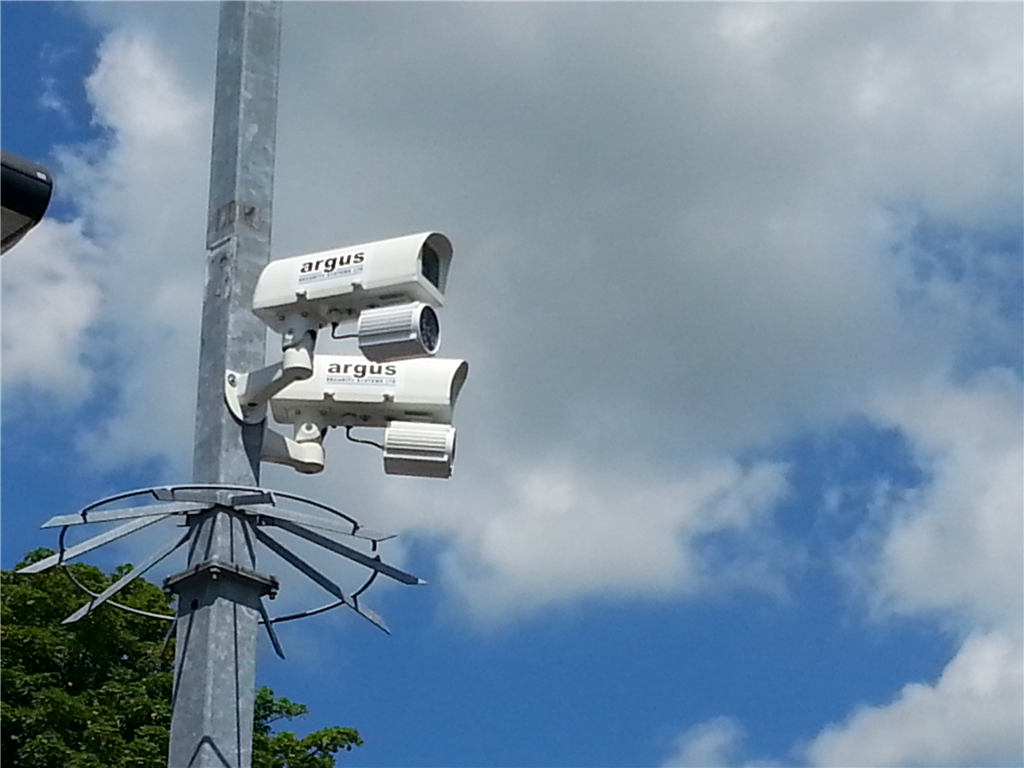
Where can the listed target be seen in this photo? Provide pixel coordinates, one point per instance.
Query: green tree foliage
(284, 750)
(97, 693)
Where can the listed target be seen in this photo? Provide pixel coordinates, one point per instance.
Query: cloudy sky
(740, 286)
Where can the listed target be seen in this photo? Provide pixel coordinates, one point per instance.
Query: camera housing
(335, 285)
(351, 391)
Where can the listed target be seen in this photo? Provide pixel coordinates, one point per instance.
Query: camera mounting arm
(247, 394)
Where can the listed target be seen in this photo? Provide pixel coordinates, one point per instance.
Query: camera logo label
(334, 266)
(361, 373)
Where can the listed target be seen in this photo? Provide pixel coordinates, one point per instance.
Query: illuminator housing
(415, 449)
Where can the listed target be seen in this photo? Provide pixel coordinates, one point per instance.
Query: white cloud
(953, 550)
(135, 90)
(556, 532)
(51, 99)
(124, 283)
(50, 298)
(973, 715)
(716, 742)
(956, 544)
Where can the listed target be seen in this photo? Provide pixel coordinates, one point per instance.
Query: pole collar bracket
(215, 569)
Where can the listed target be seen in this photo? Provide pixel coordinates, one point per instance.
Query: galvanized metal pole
(219, 592)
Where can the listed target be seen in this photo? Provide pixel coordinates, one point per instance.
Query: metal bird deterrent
(186, 504)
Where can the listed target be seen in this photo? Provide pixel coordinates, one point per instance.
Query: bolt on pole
(220, 590)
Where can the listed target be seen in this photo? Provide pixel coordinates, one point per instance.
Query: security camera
(389, 286)
(412, 399)
(351, 391)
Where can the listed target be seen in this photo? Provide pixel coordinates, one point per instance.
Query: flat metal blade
(321, 579)
(127, 513)
(270, 630)
(352, 554)
(90, 544)
(323, 523)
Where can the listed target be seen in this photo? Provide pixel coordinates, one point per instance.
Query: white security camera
(389, 286)
(351, 391)
(412, 399)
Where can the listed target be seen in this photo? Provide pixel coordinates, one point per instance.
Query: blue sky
(740, 452)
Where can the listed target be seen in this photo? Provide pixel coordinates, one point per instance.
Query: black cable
(348, 434)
